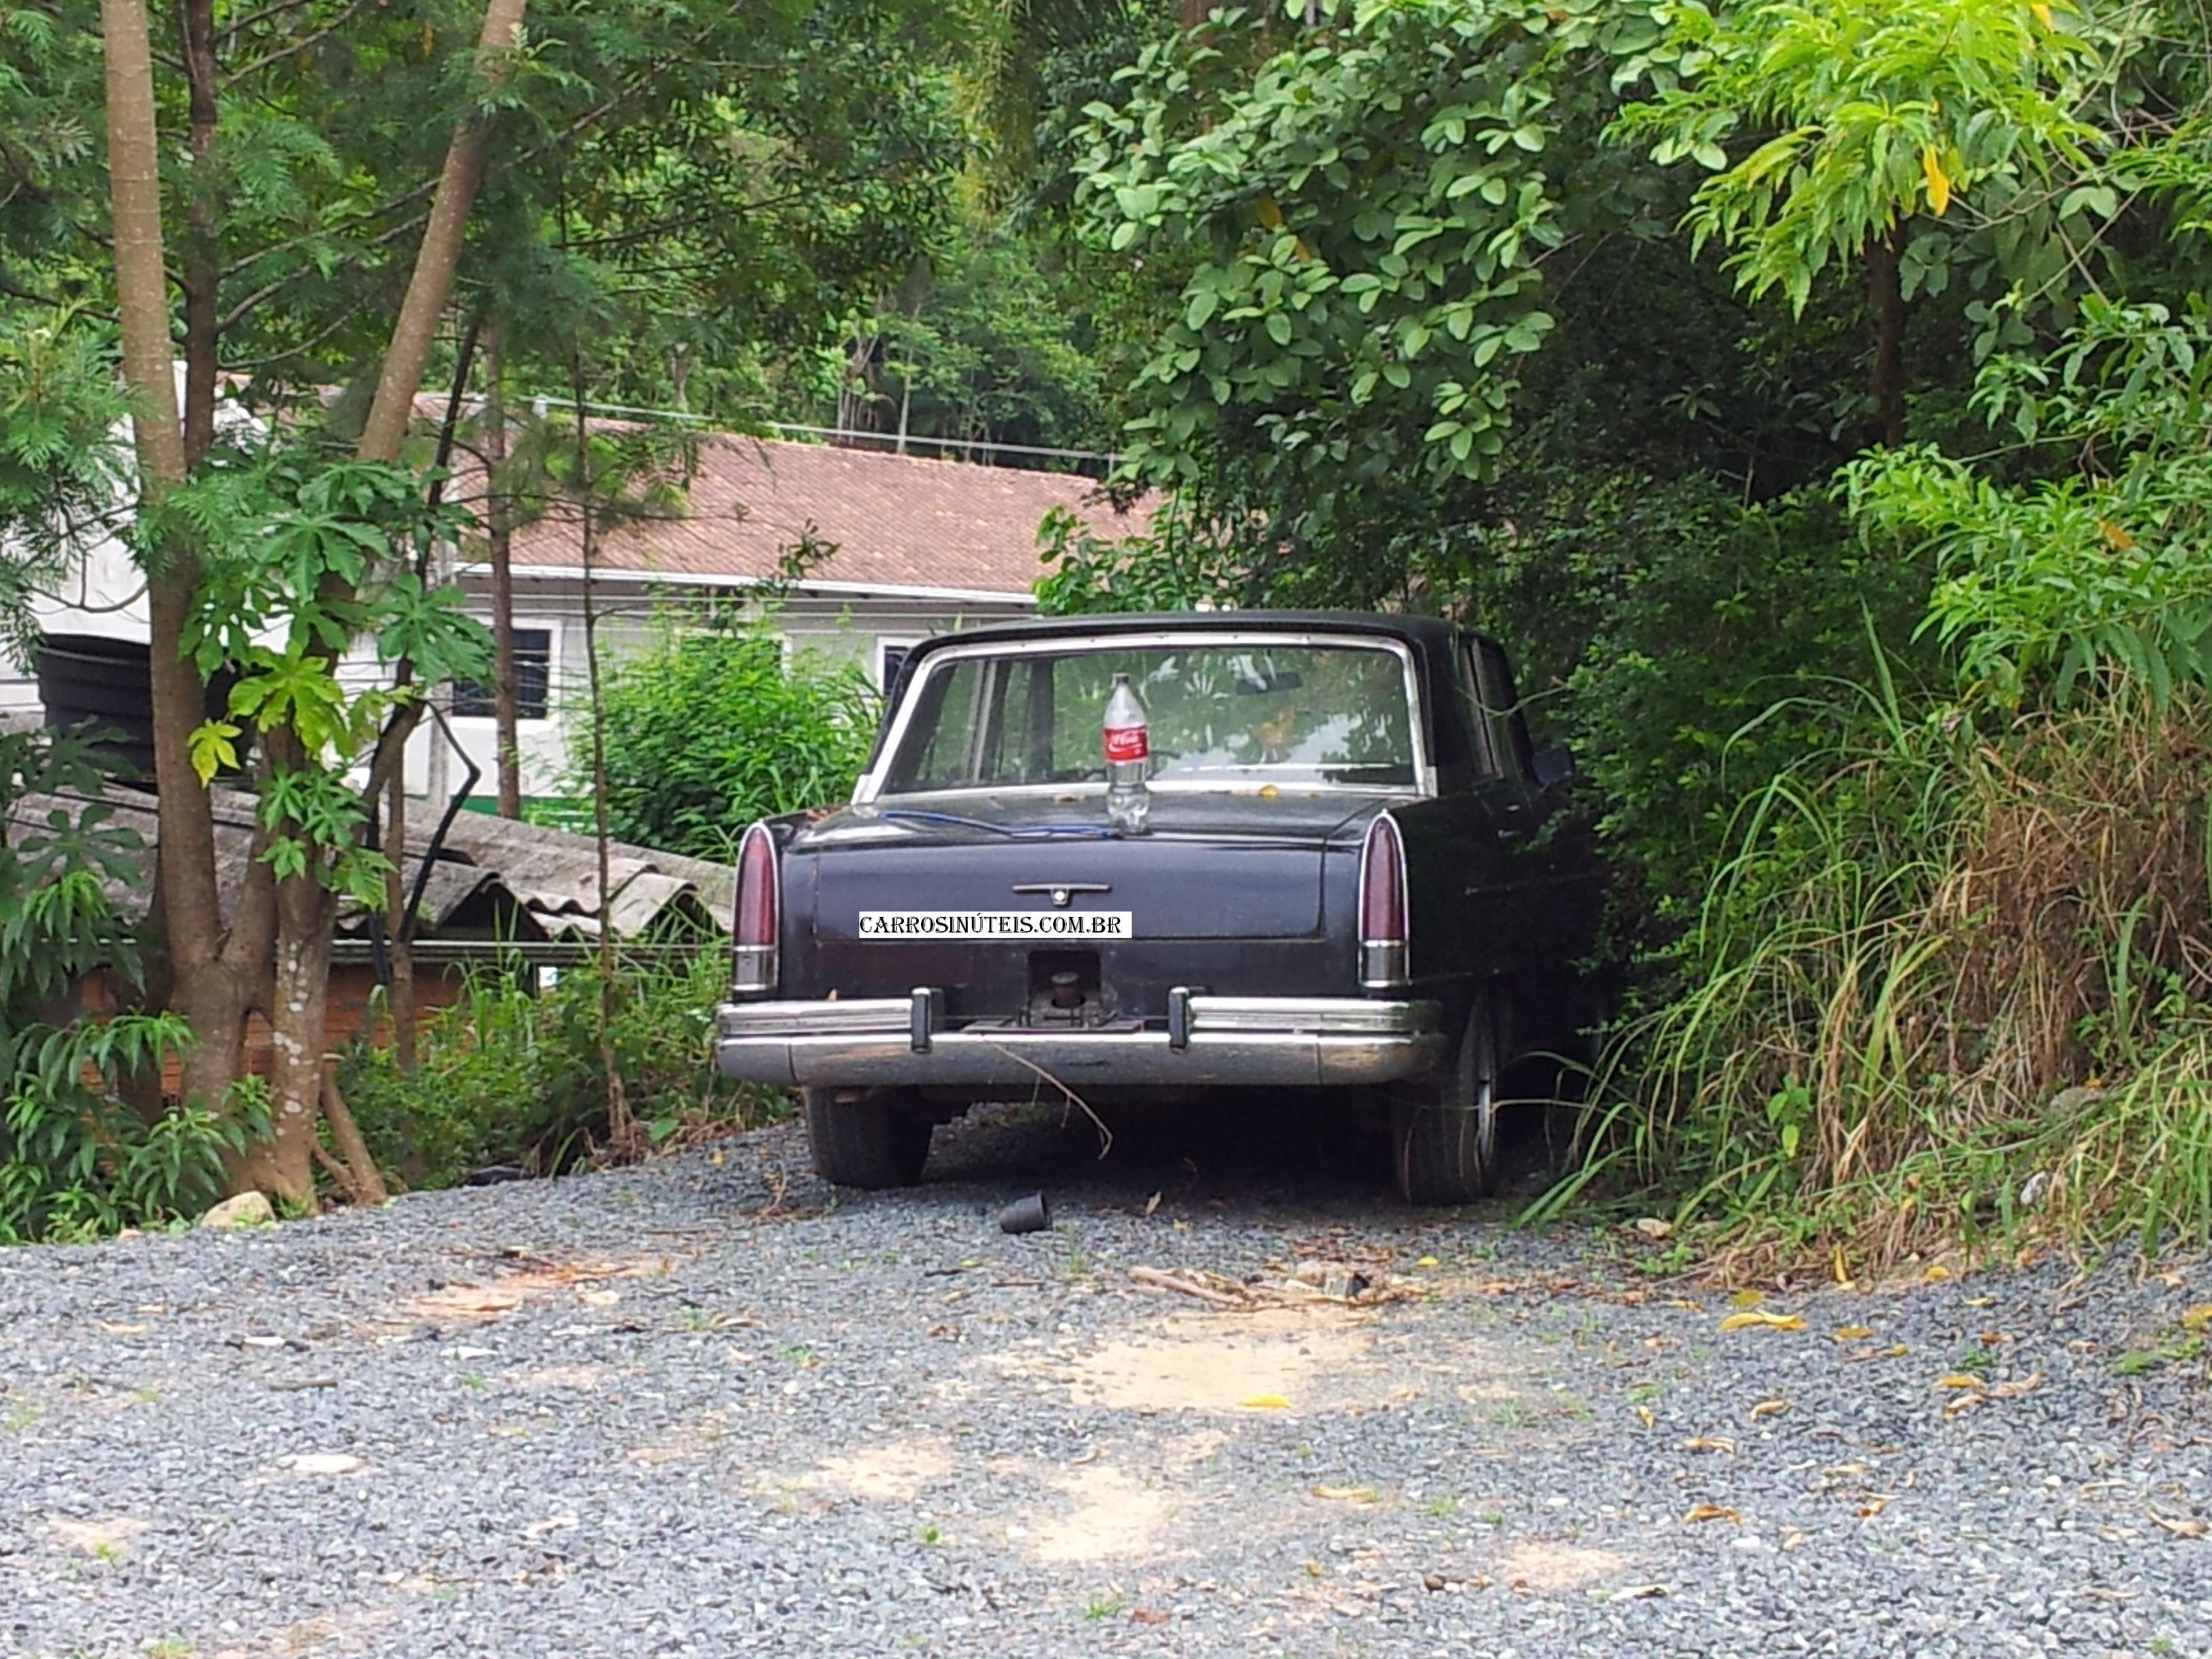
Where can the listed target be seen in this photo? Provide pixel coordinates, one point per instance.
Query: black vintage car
(1355, 874)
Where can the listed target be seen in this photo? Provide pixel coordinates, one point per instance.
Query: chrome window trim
(869, 787)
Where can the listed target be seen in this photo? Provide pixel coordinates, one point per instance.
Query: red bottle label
(1127, 743)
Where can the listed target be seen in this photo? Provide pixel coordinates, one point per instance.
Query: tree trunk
(211, 996)
(1886, 297)
(283, 1166)
(500, 549)
(435, 261)
(203, 266)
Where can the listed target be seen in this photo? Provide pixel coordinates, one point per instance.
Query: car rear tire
(1443, 1129)
(871, 1139)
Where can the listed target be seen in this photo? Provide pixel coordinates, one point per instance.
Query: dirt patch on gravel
(1551, 1566)
(1109, 1516)
(1197, 1362)
(892, 1473)
(101, 1538)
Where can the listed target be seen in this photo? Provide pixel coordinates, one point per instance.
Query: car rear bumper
(1224, 1041)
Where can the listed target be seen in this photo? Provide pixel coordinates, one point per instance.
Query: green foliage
(1357, 224)
(60, 460)
(511, 1076)
(75, 1160)
(707, 728)
(1850, 118)
(985, 342)
(1682, 642)
(1166, 566)
(2049, 584)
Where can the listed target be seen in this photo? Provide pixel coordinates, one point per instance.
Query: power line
(1105, 458)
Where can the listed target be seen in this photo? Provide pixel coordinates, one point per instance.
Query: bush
(709, 728)
(77, 1159)
(1947, 981)
(509, 1075)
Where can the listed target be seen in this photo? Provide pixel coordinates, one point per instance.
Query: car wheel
(873, 1137)
(1444, 1130)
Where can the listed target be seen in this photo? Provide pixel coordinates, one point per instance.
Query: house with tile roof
(890, 548)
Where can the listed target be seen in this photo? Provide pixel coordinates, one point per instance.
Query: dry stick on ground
(1105, 1134)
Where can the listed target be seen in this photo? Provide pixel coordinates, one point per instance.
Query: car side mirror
(1552, 766)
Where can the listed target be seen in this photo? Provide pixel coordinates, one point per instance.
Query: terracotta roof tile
(896, 521)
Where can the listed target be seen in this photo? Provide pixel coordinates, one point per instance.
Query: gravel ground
(703, 1408)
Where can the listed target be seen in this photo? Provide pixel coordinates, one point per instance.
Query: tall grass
(512, 1073)
(1949, 983)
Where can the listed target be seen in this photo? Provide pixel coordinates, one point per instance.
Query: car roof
(1426, 634)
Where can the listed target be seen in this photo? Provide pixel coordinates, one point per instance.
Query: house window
(533, 675)
(891, 657)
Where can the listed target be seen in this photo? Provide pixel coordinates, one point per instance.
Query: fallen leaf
(1710, 1512)
(2197, 1318)
(1149, 1615)
(1151, 1203)
(2018, 1387)
(1349, 1494)
(1853, 1332)
(1962, 1402)
(1875, 1504)
(1769, 1408)
(1709, 1442)
(1959, 1380)
(1643, 1415)
(1652, 1227)
(1764, 1319)
(1428, 1261)
(116, 1328)
(1684, 1302)
(601, 1298)
(2183, 1526)
(1937, 1270)
(1981, 1302)
(1792, 1538)
(1265, 1402)
(1746, 1299)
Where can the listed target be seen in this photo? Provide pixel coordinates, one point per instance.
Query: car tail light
(1382, 913)
(753, 928)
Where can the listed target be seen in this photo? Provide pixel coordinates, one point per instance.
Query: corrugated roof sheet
(535, 881)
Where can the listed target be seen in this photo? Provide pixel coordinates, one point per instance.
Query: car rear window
(1220, 715)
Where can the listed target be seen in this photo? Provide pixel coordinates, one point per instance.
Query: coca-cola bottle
(1129, 760)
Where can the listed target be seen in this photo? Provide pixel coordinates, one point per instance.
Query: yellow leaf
(1939, 183)
(2041, 13)
(1265, 1402)
(1349, 1494)
(1643, 1416)
(1937, 1270)
(1710, 1512)
(1270, 214)
(1959, 1380)
(1853, 1332)
(1764, 1320)
(1769, 1408)
(2197, 1318)
(1838, 1268)
(1896, 1350)
(1426, 1262)
(1746, 1299)
(2116, 538)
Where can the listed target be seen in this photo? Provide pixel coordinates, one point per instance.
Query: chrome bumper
(1282, 1041)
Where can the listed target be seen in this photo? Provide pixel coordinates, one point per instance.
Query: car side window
(1505, 732)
